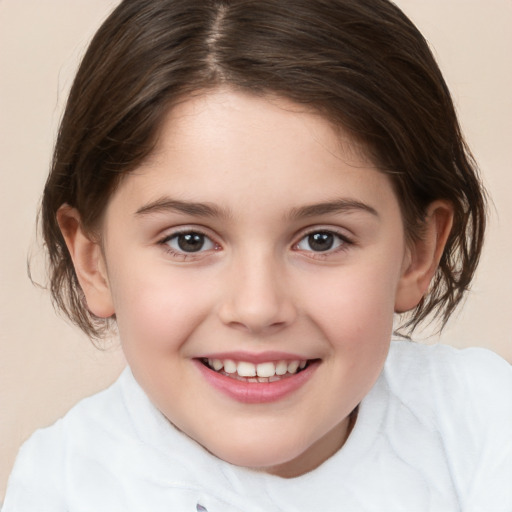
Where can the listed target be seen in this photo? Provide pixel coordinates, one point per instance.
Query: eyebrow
(165, 204)
(187, 207)
(330, 207)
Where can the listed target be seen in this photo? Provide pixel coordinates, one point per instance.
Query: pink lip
(255, 358)
(256, 392)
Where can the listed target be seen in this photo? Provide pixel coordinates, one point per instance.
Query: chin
(261, 454)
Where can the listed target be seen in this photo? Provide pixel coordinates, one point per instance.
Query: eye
(321, 241)
(189, 242)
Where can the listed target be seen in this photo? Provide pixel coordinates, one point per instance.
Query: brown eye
(190, 242)
(321, 241)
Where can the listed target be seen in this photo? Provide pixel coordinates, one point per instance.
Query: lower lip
(256, 392)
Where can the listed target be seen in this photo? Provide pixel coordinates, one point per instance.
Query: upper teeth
(246, 369)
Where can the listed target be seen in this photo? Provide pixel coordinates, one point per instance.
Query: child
(248, 191)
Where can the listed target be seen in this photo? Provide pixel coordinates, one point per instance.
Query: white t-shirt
(434, 434)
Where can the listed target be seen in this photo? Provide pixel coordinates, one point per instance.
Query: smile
(258, 381)
(246, 371)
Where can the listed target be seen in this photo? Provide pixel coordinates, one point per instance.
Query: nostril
(200, 508)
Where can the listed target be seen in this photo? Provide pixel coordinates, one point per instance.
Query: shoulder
(472, 382)
(38, 476)
(464, 399)
(439, 357)
(450, 370)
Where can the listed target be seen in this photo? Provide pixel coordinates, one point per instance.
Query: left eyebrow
(166, 204)
(330, 207)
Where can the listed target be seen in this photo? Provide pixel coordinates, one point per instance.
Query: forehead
(243, 151)
(223, 116)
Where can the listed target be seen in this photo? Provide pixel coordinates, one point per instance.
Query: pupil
(321, 241)
(191, 242)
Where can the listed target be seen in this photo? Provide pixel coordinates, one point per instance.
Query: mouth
(257, 379)
(265, 372)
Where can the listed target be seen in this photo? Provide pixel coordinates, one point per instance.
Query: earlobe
(88, 261)
(423, 256)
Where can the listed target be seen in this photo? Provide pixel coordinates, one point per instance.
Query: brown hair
(361, 63)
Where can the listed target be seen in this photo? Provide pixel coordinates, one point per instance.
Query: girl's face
(253, 264)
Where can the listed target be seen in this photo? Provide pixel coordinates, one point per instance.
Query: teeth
(266, 369)
(217, 364)
(293, 366)
(262, 372)
(246, 369)
(281, 368)
(229, 366)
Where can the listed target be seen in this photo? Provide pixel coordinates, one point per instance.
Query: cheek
(159, 308)
(356, 319)
(354, 306)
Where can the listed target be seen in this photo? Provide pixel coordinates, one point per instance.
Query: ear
(88, 261)
(423, 256)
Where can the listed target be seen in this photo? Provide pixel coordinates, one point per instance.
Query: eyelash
(182, 254)
(343, 244)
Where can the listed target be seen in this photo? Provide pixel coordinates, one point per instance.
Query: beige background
(46, 365)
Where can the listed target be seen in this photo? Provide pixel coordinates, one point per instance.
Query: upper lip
(255, 357)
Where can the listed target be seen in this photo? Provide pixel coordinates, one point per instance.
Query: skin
(256, 285)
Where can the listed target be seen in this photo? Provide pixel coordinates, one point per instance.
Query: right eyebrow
(335, 206)
(166, 204)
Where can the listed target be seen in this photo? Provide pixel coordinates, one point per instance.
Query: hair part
(361, 64)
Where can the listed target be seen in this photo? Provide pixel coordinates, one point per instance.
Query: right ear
(88, 261)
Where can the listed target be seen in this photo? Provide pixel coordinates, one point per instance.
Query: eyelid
(347, 240)
(170, 231)
(321, 228)
(183, 230)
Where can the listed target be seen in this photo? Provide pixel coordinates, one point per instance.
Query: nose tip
(255, 322)
(257, 301)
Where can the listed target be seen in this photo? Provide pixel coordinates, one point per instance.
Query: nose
(257, 297)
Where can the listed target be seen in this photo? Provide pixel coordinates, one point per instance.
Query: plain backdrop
(45, 364)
